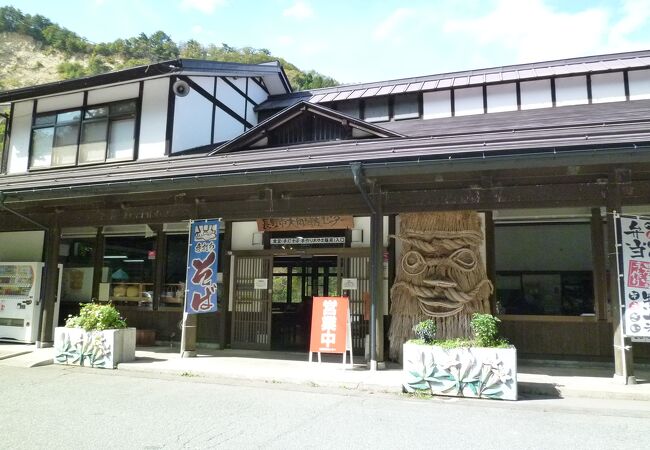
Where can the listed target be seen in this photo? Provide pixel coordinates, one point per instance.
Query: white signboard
(261, 283)
(308, 240)
(633, 239)
(349, 284)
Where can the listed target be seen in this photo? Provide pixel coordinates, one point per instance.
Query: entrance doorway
(296, 280)
(272, 295)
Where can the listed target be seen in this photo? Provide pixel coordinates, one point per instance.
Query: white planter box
(103, 349)
(461, 372)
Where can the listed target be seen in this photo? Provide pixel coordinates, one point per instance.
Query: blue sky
(358, 41)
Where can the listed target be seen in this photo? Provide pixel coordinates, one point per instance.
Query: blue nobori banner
(201, 291)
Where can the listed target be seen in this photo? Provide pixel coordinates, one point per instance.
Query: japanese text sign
(329, 325)
(201, 279)
(633, 236)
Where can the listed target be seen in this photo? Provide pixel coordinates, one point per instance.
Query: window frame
(83, 110)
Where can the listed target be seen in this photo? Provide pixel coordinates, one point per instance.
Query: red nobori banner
(329, 325)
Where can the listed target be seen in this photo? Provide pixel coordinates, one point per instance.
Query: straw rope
(440, 275)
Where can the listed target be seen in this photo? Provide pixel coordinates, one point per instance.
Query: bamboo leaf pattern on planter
(88, 349)
(459, 372)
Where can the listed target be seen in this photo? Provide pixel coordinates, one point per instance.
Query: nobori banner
(201, 279)
(633, 243)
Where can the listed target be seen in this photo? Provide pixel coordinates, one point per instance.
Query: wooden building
(102, 174)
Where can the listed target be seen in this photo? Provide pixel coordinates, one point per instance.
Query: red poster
(329, 324)
(638, 274)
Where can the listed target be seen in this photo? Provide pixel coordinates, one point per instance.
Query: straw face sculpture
(440, 275)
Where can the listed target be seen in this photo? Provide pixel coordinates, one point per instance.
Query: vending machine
(20, 301)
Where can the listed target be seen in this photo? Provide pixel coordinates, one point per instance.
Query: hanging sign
(201, 279)
(633, 242)
(329, 325)
(305, 223)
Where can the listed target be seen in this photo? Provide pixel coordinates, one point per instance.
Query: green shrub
(486, 330)
(96, 317)
(426, 331)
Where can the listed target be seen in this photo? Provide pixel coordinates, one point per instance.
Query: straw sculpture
(440, 275)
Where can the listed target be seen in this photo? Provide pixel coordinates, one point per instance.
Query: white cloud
(535, 31)
(205, 6)
(299, 10)
(389, 27)
(197, 29)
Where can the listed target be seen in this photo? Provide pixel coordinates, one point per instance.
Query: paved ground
(77, 408)
(558, 379)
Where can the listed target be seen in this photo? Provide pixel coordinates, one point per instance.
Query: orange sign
(329, 325)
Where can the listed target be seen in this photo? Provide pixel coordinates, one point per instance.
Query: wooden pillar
(376, 285)
(599, 265)
(490, 258)
(159, 264)
(98, 263)
(51, 284)
(623, 357)
(226, 246)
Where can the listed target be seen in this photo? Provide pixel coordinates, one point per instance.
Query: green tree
(192, 49)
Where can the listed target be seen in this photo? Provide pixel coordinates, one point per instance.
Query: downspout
(359, 181)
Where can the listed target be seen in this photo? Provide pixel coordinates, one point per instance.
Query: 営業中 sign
(329, 325)
(201, 278)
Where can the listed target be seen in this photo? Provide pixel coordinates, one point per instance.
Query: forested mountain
(57, 53)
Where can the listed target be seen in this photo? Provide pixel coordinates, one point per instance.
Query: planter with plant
(483, 367)
(97, 337)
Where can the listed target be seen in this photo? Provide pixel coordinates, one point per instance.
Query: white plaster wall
(363, 223)
(153, 121)
(502, 97)
(58, 102)
(571, 91)
(436, 104)
(21, 126)
(225, 126)
(231, 98)
(639, 84)
(536, 94)
(607, 87)
(193, 117)
(21, 246)
(113, 93)
(255, 92)
(251, 115)
(468, 101)
(242, 236)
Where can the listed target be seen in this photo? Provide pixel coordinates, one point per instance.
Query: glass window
(42, 139)
(349, 108)
(93, 142)
(120, 142)
(107, 132)
(376, 109)
(128, 268)
(77, 256)
(64, 151)
(544, 269)
(69, 116)
(46, 119)
(95, 113)
(405, 106)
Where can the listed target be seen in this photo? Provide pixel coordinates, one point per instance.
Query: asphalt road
(67, 407)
